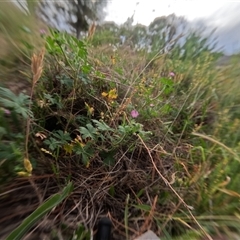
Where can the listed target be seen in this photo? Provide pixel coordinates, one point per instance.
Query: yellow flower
(27, 165)
(104, 94)
(46, 151)
(102, 115)
(88, 164)
(78, 140)
(111, 95)
(113, 60)
(90, 110)
(68, 148)
(23, 174)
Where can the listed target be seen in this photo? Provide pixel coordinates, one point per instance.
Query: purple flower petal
(7, 111)
(134, 113)
(171, 74)
(42, 31)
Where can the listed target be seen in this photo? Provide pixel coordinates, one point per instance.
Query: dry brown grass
(93, 195)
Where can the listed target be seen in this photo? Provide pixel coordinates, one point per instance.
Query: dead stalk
(36, 67)
(173, 190)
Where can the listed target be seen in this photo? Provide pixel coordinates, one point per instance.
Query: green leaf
(67, 81)
(140, 193)
(25, 29)
(108, 157)
(64, 137)
(2, 132)
(101, 125)
(42, 210)
(89, 132)
(52, 143)
(112, 191)
(81, 233)
(143, 207)
(86, 69)
(85, 158)
(18, 103)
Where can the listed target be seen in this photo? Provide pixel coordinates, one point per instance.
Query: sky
(147, 10)
(223, 14)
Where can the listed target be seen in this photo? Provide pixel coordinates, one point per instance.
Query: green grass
(19, 40)
(148, 148)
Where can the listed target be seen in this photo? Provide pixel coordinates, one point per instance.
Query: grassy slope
(181, 180)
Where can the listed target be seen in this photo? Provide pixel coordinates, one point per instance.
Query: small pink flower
(151, 105)
(134, 113)
(171, 74)
(42, 31)
(7, 112)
